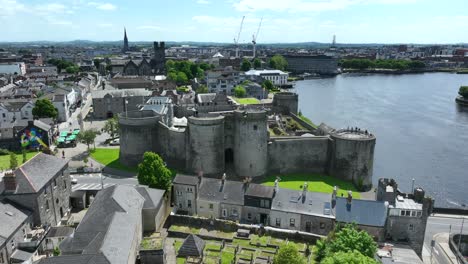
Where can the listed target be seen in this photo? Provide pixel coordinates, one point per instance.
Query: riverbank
(412, 71)
(461, 100)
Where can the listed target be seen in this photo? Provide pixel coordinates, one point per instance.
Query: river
(421, 132)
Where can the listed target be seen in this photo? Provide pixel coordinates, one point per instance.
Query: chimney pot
(10, 181)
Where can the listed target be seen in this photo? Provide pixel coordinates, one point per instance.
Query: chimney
(349, 200)
(246, 183)
(333, 199)
(200, 177)
(10, 181)
(276, 186)
(223, 180)
(304, 192)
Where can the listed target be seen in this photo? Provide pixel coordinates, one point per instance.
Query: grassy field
(5, 159)
(110, 158)
(307, 120)
(246, 100)
(316, 182)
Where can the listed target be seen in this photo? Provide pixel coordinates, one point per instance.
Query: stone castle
(239, 141)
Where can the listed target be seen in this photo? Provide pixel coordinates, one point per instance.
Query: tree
(97, 62)
(56, 252)
(257, 63)
(87, 137)
(23, 152)
(288, 254)
(463, 91)
(267, 84)
(72, 69)
(245, 66)
(153, 172)
(239, 91)
(278, 62)
(44, 108)
(13, 161)
(202, 89)
(112, 127)
(181, 78)
(350, 257)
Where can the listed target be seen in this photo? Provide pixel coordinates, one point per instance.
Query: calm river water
(421, 132)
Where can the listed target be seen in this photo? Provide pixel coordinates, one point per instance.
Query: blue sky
(353, 21)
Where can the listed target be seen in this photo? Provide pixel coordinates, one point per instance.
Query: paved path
(169, 250)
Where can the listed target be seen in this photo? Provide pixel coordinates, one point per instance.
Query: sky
(284, 21)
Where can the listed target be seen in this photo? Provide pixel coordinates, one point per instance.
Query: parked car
(115, 142)
(74, 180)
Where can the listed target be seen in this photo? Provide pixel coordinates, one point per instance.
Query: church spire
(125, 45)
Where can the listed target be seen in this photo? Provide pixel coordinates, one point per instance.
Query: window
(180, 205)
(292, 222)
(407, 213)
(278, 221)
(411, 227)
(224, 212)
(249, 216)
(189, 203)
(419, 214)
(189, 189)
(413, 213)
(234, 211)
(47, 205)
(54, 183)
(3, 117)
(211, 206)
(322, 225)
(255, 127)
(265, 203)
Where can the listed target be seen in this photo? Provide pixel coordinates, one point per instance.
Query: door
(308, 226)
(263, 219)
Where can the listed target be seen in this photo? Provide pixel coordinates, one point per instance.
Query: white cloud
(203, 2)
(103, 6)
(306, 5)
(10, 8)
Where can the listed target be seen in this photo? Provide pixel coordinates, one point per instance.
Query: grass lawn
(227, 257)
(247, 100)
(110, 158)
(316, 182)
(5, 159)
(184, 229)
(307, 120)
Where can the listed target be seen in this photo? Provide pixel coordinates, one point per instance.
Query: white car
(74, 181)
(115, 142)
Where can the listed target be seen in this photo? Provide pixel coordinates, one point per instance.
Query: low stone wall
(156, 256)
(302, 122)
(229, 226)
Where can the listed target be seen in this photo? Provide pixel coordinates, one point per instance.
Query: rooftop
(314, 203)
(258, 190)
(11, 218)
(361, 212)
(406, 203)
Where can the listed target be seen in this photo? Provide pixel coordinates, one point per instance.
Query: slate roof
(153, 197)
(233, 193)
(121, 93)
(315, 203)
(20, 256)
(75, 259)
(362, 212)
(257, 190)
(60, 231)
(33, 175)
(210, 189)
(206, 97)
(110, 224)
(11, 218)
(192, 247)
(185, 179)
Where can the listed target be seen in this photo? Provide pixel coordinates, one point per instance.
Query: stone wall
(171, 145)
(298, 154)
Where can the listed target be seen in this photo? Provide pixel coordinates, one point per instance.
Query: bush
(463, 91)
(240, 91)
(4, 151)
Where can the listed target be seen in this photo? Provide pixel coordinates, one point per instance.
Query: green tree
(170, 64)
(23, 152)
(56, 252)
(44, 108)
(109, 67)
(463, 91)
(349, 238)
(246, 65)
(72, 69)
(350, 257)
(288, 254)
(112, 127)
(13, 161)
(257, 63)
(202, 89)
(278, 62)
(97, 62)
(153, 172)
(239, 91)
(87, 137)
(267, 84)
(181, 78)
(172, 75)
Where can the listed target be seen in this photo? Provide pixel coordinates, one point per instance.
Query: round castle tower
(137, 135)
(205, 151)
(250, 143)
(352, 156)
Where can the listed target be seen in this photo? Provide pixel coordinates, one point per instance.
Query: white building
(277, 77)
(65, 103)
(222, 81)
(13, 68)
(16, 110)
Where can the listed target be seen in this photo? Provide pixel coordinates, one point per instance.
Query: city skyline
(352, 21)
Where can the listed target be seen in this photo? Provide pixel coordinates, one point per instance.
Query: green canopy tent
(63, 134)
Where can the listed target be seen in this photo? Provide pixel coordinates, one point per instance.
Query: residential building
(17, 68)
(277, 77)
(42, 186)
(65, 100)
(185, 190)
(222, 80)
(15, 224)
(255, 90)
(12, 110)
(302, 211)
(112, 229)
(257, 203)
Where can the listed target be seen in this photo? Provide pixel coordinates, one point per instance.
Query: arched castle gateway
(240, 141)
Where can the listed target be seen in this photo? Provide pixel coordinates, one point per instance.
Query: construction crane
(236, 40)
(255, 36)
